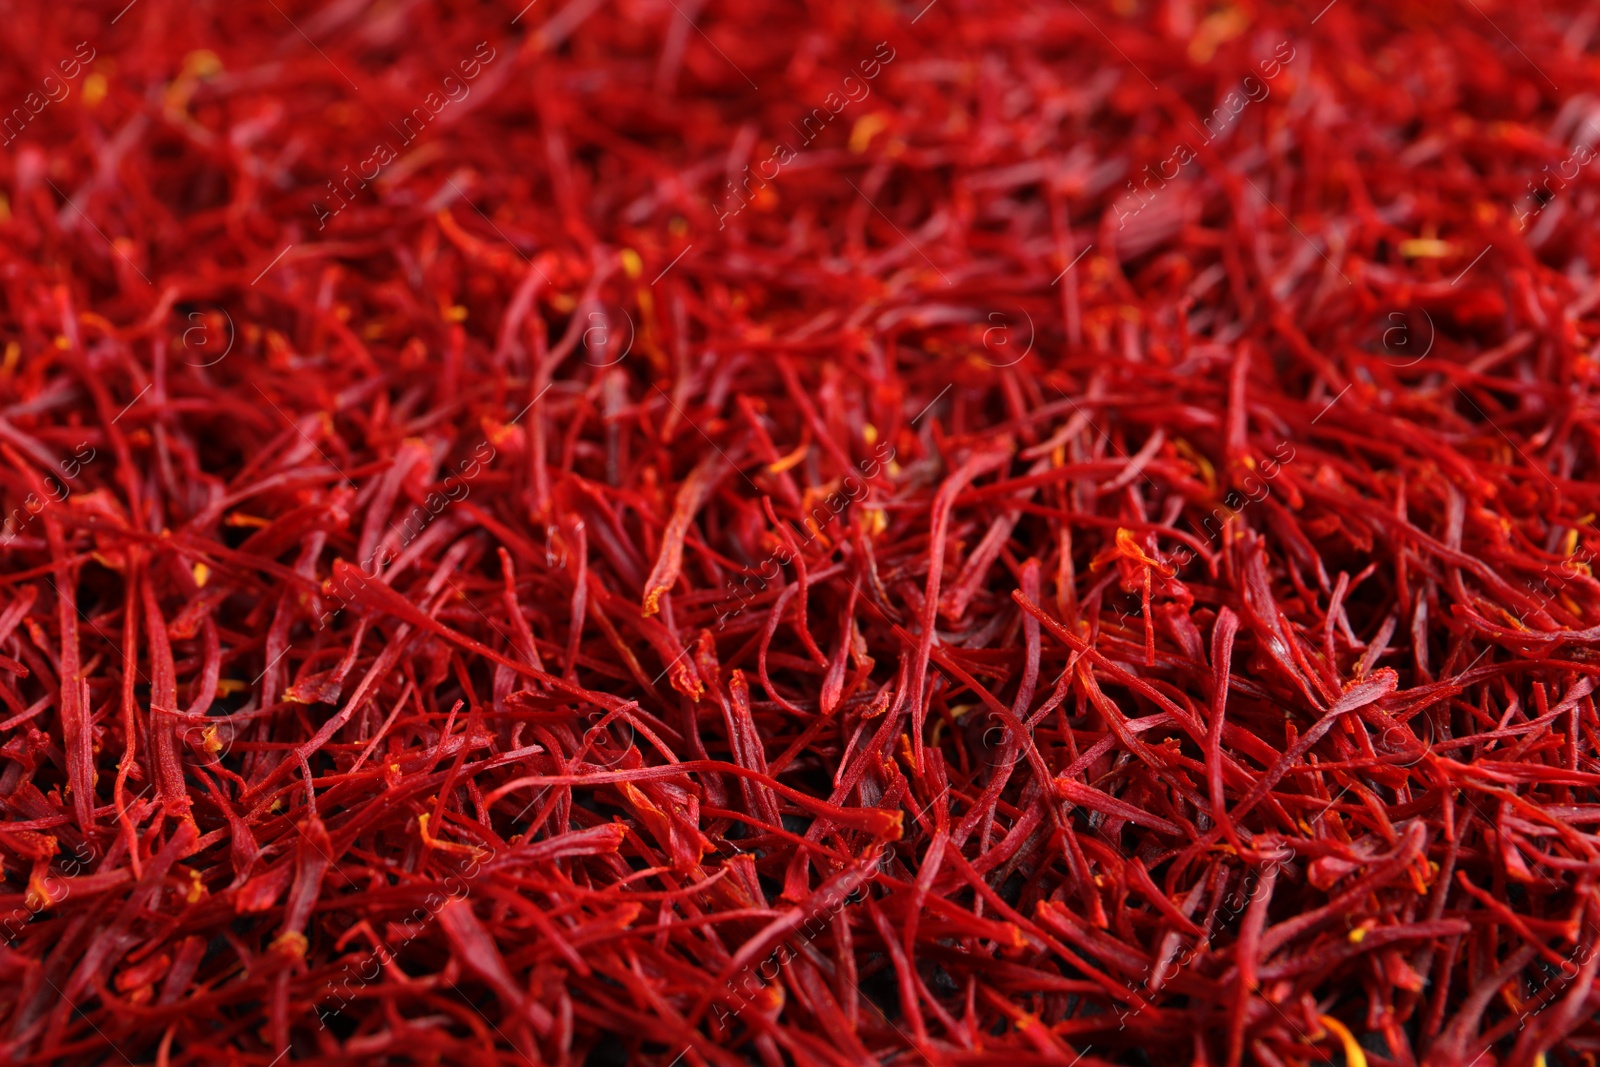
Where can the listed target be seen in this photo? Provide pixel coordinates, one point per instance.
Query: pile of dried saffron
(682, 532)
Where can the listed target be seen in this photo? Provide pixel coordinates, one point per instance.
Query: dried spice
(1086, 559)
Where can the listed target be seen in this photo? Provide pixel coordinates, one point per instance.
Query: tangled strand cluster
(803, 534)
